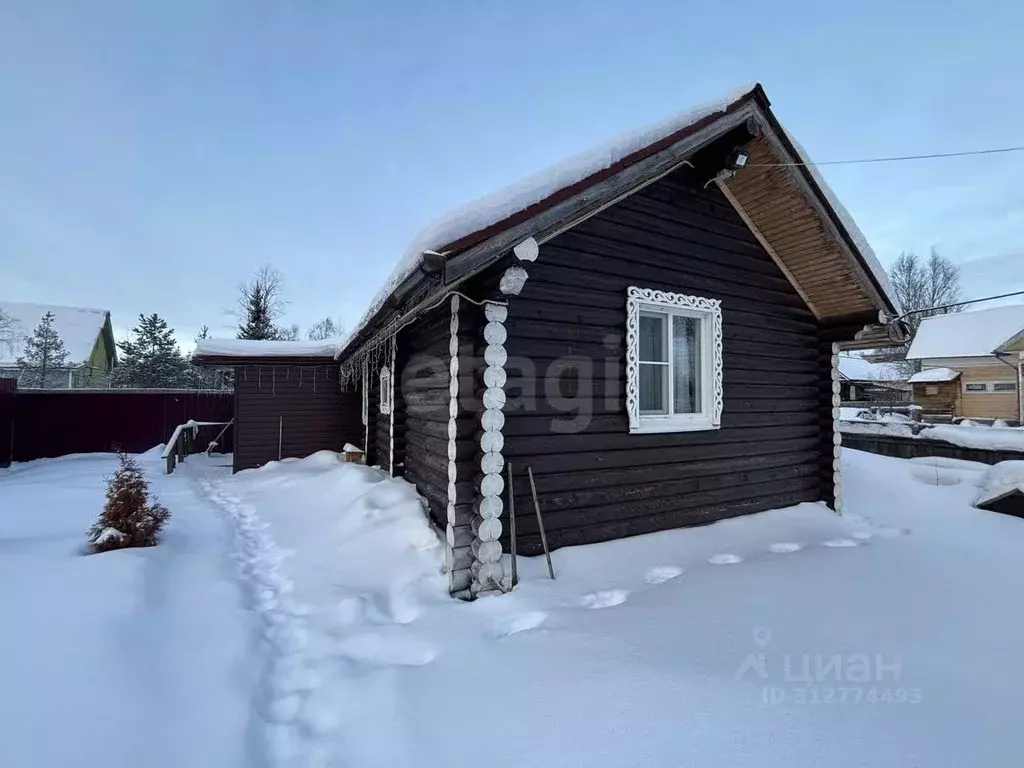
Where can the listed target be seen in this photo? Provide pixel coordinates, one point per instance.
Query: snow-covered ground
(134, 658)
(297, 615)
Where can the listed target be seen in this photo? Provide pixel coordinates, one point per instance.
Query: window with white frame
(385, 390)
(978, 387)
(673, 361)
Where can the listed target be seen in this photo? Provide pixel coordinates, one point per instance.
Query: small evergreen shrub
(128, 518)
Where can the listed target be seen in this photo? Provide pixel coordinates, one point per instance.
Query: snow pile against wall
(966, 334)
(260, 348)
(635, 636)
(933, 375)
(77, 327)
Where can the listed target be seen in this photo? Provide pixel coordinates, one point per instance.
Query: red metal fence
(46, 423)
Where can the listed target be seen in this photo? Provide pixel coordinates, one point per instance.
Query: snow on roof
(967, 334)
(856, 368)
(934, 374)
(259, 348)
(498, 206)
(77, 327)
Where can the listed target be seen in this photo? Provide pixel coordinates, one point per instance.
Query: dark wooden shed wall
(305, 401)
(595, 480)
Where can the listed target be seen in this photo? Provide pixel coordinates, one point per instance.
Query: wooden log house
(653, 329)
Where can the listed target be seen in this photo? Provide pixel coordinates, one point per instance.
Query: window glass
(652, 337)
(975, 387)
(1004, 386)
(686, 364)
(653, 383)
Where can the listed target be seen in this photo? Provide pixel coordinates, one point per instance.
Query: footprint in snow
(604, 599)
(520, 622)
(725, 559)
(785, 547)
(662, 574)
(839, 543)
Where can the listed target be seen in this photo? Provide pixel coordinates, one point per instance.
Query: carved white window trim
(385, 390)
(709, 311)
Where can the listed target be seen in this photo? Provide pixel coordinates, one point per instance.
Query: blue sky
(154, 154)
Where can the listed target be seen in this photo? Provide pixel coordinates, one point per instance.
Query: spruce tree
(151, 358)
(258, 323)
(128, 518)
(260, 305)
(45, 362)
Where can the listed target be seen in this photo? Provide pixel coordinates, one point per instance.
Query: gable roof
(977, 333)
(829, 257)
(79, 328)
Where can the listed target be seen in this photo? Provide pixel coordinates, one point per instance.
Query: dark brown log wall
(423, 390)
(595, 480)
(304, 402)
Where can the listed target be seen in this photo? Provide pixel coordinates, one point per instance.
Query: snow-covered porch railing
(182, 442)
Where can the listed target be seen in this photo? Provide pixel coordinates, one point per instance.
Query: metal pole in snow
(540, 523)
(280, 431)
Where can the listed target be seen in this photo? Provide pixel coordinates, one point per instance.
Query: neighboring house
(652, 328)
(983, 347)
(87, 335)
(861, 380)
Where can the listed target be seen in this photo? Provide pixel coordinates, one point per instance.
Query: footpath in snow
(296, 615)
(693, 647)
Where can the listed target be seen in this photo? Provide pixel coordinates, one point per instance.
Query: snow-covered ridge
(258, 348)
(504, 203)
(967, 334)
(78, 328)
(933, 374)
(498, 206)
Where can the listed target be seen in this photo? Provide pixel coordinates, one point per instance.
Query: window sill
(655, 424)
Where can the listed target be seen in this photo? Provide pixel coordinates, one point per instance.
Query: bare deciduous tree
(9, 336)
(924, 287)
(323, 329)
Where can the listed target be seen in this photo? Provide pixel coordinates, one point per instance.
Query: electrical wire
(958, 304)
(861, 161)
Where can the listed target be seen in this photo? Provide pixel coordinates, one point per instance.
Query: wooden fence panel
(912, 448)
(52, 423)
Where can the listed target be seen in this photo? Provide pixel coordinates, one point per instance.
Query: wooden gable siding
(801, 238)
(302, 404)
(595, 480)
